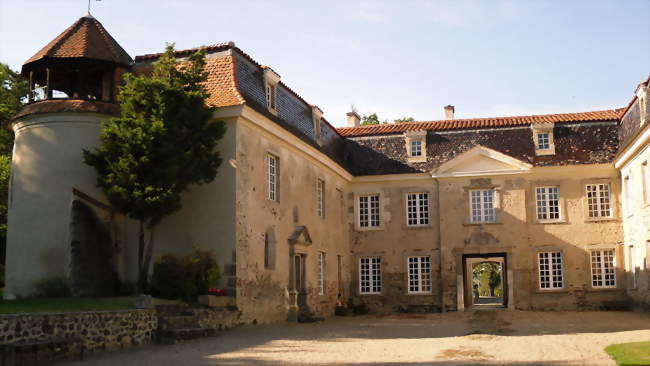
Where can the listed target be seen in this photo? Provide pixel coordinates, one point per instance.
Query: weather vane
(89, 5)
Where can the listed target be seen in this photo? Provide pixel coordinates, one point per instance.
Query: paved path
(486, 337)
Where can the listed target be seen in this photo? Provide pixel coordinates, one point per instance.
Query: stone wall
(101, 330)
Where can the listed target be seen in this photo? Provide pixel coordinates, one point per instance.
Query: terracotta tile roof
(221, 82)
(85, 38)
(68, 105)
(181, 53)
(492, 122)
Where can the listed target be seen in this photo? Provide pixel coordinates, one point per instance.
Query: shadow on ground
(285, 344)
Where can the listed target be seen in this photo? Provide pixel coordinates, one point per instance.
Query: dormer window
(416, 146)
(271, 80)
(543, 139)
(316, 115)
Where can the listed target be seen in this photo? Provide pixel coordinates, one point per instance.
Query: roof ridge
(497, 118)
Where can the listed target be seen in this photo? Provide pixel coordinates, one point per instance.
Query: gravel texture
(486, 337)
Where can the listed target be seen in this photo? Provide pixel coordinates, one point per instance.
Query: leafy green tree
(13, 92)
(163, 142)
(371, 119)
(404, 119)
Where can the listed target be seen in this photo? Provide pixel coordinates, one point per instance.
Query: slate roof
(492, 122)
(86, 38)
(594, 143)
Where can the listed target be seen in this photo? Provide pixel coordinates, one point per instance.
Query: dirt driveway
(473, 338)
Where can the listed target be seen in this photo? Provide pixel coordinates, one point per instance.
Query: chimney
(353, 119)
(449, 112)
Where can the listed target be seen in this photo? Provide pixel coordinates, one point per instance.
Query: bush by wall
(185, 276)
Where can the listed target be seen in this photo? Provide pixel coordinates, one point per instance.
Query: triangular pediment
(300, 235)
(479, 161)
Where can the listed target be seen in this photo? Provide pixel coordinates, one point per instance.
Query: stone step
(172, 336)
(177, 322)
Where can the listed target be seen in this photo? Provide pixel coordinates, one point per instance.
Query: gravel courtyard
(471, 338)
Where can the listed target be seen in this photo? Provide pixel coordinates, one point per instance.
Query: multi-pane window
(369, 211)
(631, 265)
(550, 270)
(627, 190)
(270, 96)
(370, 275)
(272, 166)
(320, 197)
(321, 273)
(548, 203)
(417, 209)
(419, 274)
(543, 141)
(598, 200)
(416, 148)
(645, 171)
(603, 272)
(482, 205)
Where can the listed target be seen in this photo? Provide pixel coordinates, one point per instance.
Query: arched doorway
(485, 280)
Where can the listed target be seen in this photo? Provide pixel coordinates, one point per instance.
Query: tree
(404, 119)
(371, 119)
(13, 92)
(163, 142)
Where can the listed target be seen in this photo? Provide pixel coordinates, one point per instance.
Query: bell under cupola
(84, 62)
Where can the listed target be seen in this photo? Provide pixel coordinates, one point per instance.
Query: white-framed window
(548, 203)
(416, 148)
(599, 200)
(645, 173)
(543, 141)
(419, 275)
(603, 269)
(627, 194)
(482, 205)
(417, 209)
(320, 197)
(321, 273)
(551, 276)
(370, 275)
(631, 264)
(270, 96)
(369, 211)
(272, 168)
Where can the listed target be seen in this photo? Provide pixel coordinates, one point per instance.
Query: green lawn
(69, 304)
(630, 354)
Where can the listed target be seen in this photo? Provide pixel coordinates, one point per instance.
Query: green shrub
(57, 286)
(184, 276)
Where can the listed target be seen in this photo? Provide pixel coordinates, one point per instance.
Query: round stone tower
(72, 90)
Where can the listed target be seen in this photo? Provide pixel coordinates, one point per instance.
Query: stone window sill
(552, 222)
(598, 220)
(552, 291)
(481, 223)
(604, 289)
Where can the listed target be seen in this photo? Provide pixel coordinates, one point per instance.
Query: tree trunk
(148, 255)
(492, 290)
(142, 282)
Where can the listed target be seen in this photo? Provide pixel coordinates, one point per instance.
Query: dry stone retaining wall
(101, 330)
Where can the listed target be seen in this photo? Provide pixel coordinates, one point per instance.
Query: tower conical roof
(86, 38)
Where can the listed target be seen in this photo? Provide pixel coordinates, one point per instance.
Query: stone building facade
(304, 216)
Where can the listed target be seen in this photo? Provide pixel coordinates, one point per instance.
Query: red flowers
(216, 291)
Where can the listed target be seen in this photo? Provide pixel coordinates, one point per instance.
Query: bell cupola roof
(85, 39)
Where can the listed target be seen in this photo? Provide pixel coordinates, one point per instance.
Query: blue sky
(395, 58)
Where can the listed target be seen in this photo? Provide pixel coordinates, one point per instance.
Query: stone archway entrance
(485, 281)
